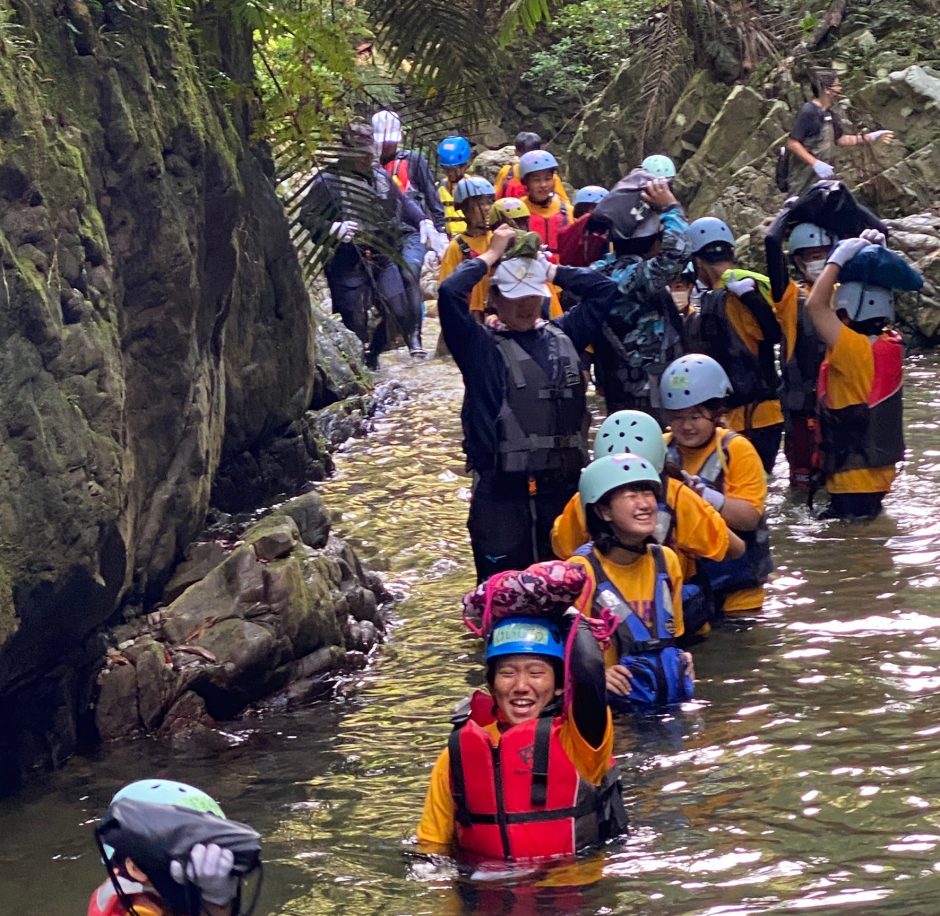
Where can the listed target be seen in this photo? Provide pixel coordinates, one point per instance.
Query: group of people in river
(597, 568)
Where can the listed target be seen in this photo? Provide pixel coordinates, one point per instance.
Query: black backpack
(782, 170)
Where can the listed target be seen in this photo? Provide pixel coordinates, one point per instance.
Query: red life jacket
(549, 228)
(524, 798)
(105, 902)
(397, 170)
(512, 185)
(579, 248)
(868, 435)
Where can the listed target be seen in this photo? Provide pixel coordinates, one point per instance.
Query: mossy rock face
(153, 316)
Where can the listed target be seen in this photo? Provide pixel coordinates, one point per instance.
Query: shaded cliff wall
(153, 322)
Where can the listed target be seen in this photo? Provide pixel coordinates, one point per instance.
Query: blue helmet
(473, 187)
(536, 160)
(660, 166)
(525, 636)
(709, 230)
(453, 151)
(590, 194)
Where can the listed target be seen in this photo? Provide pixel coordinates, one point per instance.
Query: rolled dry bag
(156, 835)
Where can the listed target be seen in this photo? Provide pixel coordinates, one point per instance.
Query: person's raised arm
(659, 271)
(825, 321)
(758, 305)
(589, 685)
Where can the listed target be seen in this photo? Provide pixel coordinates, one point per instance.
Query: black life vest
(543, 421)
(524, 798)
(756, 564)
(800, 373)
(708, 330)
(871, 434)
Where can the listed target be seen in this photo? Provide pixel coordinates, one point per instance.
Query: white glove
(823, 169)
(210, 869)
(876, 135)
(427, 231)
(439, 243)
(846, 250)
(345, 230)
(741, 287)
(874, 237)
(715, 497)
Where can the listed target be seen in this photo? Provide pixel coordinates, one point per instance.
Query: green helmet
(610, 472)
(631, 431)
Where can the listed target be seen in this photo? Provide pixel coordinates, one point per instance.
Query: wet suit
(501, 511)
(369, 267)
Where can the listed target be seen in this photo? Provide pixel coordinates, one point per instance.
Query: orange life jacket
(524, 798)
(868, 435)
(105, 901)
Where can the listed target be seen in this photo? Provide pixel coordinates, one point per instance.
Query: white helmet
(631, 431)
(691, 380)
(809, 235)
(863, 302)
(386, 127)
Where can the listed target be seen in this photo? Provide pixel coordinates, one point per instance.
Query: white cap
(520, 277)
(386, 127)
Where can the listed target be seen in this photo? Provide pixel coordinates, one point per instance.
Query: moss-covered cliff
(153, 323)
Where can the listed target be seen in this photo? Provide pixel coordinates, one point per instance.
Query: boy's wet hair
(823, 80)
(526, 141)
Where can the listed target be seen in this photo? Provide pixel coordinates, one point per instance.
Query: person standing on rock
(524, 415)
(860, 383)
(816, 133)
(362, 222)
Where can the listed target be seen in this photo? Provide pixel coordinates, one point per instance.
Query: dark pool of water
(804, 777)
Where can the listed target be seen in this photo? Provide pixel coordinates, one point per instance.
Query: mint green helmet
(631, 431)
(610, 472)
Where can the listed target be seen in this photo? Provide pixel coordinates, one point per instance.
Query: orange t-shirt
(453, 258)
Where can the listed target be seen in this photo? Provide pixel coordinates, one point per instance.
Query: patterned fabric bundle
(542, 590)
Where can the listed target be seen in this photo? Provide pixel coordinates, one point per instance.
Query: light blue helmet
(809, 235)
(472, 187)
(166, 792)
(709, 230)
(536, 161)
(631, 431)
(525, 636)
(590, 194)
(453, 151)
(691, 380)
(862, 301)
(659, 166)
(610, 472)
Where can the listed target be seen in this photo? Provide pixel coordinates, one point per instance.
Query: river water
(804, 777)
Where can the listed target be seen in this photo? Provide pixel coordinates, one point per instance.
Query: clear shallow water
(805, 777)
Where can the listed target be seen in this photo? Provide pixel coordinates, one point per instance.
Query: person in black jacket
(524, 414)
(362, 223)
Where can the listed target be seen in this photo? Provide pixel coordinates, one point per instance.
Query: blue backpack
(658, 669)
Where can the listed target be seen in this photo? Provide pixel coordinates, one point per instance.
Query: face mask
(681, 299)
(813, 269)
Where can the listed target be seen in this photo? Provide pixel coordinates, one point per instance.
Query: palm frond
(524, 14)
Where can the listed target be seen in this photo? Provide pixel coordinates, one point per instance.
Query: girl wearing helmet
(635, 578)
(735, 323)
(725, 470)
(489, 798)
(802, 351)
(686, 522)
(474, 197)
(508, 183)
(860, 384)
(210, 867)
